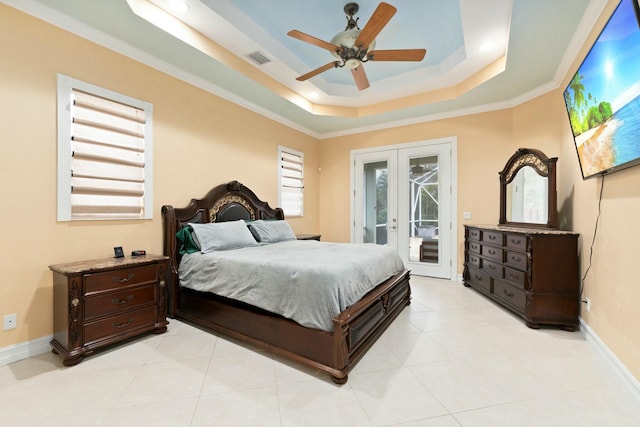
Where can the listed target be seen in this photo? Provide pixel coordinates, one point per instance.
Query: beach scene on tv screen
(603, 97)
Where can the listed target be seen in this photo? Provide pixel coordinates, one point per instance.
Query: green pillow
(187, 243)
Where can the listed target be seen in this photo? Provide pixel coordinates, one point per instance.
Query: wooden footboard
(355, 329)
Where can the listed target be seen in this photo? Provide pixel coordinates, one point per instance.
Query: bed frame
(354, 330)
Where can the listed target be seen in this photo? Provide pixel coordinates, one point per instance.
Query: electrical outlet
(9, 321)
(588, 301)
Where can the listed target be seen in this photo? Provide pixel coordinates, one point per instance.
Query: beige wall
(200, 141)
(611, 282)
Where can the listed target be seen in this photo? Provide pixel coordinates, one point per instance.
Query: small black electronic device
(138, 252)
(119, 253)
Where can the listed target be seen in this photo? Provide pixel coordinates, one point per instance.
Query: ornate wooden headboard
(225, 202)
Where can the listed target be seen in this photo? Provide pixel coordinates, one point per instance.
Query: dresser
(101, 302)
(532, 272)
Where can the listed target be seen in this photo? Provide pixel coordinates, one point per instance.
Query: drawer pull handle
(513, 276)
(121, 325)
(478, 278)
(491, 252)
(492, 237)
(492, 267)
(516, 241)
(516, 258)
(122, 301)
(509, 294)
(122, 279)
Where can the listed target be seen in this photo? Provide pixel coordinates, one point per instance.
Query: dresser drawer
(517, 260)
(474, 246)
(480, 279)
(474, 234)
(474, 259)
(119, 324)
(517, 278)
(97, 282)
(517, 298)
(517, 242)
(115, 302)
(492, 252)
(493, 237)
(493, 268)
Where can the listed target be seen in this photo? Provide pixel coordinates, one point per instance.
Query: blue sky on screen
(611, 70)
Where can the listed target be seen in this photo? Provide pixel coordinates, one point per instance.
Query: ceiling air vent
(258, 58)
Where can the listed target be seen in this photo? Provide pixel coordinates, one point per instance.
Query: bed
(335, 349)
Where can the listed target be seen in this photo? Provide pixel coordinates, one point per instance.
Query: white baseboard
(627, 377)
(13, 353)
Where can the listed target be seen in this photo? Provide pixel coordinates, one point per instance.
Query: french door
(402, 197)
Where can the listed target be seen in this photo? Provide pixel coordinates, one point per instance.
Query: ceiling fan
(354, 46)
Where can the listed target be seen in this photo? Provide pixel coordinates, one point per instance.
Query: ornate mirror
(528, 190)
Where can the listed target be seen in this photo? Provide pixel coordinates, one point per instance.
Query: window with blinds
(291, 181)
(104, 153)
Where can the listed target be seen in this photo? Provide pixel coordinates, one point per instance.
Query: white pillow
(218, 236)
(271, 231)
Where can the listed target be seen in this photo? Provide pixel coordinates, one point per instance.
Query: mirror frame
(545, 167)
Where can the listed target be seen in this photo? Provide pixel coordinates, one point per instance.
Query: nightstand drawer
(110, 303)
(120, 324)
(113, 279)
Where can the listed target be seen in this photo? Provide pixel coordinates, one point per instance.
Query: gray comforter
(309, 282)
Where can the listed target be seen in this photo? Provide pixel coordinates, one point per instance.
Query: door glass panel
(424, 209)
(375, 203)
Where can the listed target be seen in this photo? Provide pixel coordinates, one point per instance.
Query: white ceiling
(533, 45)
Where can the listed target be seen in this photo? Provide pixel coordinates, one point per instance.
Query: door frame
(453, 143)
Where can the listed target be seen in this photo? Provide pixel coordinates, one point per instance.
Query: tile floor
(452, 358)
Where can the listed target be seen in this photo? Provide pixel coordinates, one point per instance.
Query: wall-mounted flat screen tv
(603, 97)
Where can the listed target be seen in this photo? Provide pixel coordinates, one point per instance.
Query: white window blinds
(291, 180)
(104, 153)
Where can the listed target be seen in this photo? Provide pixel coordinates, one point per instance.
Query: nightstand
(101, 302)
(308, 237)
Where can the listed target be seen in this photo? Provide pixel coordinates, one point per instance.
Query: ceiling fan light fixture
(347, 39)
(352, 63)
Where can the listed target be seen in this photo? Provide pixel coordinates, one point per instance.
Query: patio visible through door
(403, 198)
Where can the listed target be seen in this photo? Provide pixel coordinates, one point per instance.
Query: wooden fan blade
(397, 55)
(383, 13)
(360, 77)
(314, 41)
(318, 71)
